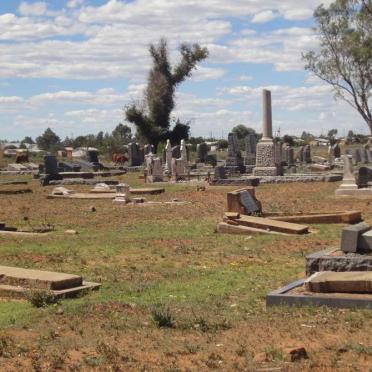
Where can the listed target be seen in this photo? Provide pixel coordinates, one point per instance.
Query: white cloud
(32, 9)
(264, 16)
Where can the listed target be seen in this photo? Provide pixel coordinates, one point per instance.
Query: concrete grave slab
(295, 294)
(341, 282)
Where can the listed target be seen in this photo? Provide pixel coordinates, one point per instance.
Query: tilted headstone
(249, 203)
(50, 164)
(202, 152)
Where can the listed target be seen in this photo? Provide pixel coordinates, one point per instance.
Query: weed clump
(41, 298)
(162, 317)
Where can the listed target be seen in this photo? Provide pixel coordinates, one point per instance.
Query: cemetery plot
(16, 281)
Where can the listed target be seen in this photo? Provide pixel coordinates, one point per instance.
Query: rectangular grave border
(280, 297)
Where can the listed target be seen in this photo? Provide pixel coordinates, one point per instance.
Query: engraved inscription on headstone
(248, 203)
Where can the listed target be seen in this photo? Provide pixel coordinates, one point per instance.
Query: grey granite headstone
(350, 238)
(363, 155)
(356, 156)
(248, 203)
(234, 158)
(134, 154)
(250, 149)
(92, 156)
(369, 156)
(50, 164)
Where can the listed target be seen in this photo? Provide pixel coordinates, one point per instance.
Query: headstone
(363, 155)
(307, 154)
(369, 156)
(250, 149)
(300, 154)
(176, 152)
(211, 159)
(168, 157)
(364, 176)
(348, 180)
(249, 203)
(122, 193)
(234, 158)
(154, 169)
(179, 169)
(265, 152)
(202, 152)
(92, 156)
(183, 151)
(134, 154)
(336, 150)
(356, 156)
(50, 164)
(351, 235)
(219, 172)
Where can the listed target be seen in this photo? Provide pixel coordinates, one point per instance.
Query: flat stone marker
(272, 225)
(38, 279)
(340, 282)
(350, 238)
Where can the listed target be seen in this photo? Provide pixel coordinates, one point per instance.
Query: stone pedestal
(348, 182)
(266, 152)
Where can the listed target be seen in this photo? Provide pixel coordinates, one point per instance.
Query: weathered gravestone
(356, 156)
(134, 154)
(307, 154)
(50, 164)
(202, 152)
(249, 203)
(369, 155)
(234, 160)
(363, 155)
(250, 149)
(154, 169)
(364, 176)
(92, 156)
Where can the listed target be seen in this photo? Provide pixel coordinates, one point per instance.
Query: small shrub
(41, 298)
(163, 317)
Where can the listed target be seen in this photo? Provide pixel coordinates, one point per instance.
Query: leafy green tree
(332, 133)
(122, 133)
(242, 131)
(288, 139)
(152, 119)
(344, 59)
(48, 141)
(28, 140)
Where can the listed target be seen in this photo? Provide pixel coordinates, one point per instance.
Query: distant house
(10, 148)
(320, 142)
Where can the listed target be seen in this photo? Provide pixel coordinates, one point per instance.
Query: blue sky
(73, 65)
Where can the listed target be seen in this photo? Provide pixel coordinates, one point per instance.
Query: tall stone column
(265, 152)
(168, 157)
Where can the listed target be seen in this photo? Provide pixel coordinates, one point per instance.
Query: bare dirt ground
(175, 295)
